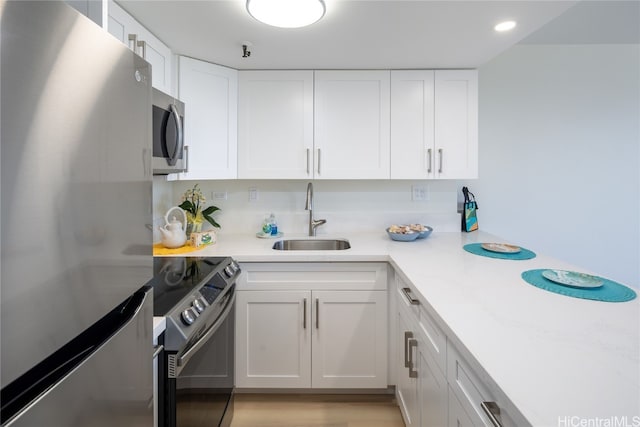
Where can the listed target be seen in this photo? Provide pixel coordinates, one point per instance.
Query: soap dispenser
(273, 224)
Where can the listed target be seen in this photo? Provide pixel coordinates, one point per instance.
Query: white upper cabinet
(434, 124)
(412, 115)
(130, 32)
(351, 124)
(275, 132)
(210, 95)
(456, 124)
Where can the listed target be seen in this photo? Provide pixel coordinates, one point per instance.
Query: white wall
(559, 154)
(348, 206)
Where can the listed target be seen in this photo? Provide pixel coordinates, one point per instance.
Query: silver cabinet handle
(412, 301)
(407, 336)
(133, 42)
(143, 45)
(317, 313)
(493, 412)
(318, 161)
(308, 160)
(412, 372)
(429, 160)
(440, 154)
(304, 314)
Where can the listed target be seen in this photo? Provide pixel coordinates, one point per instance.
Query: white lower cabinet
(421, 388)
(435, 386)
(432, 390)
(457, 416)
(273, 340)
(407, 384)
(312, 325)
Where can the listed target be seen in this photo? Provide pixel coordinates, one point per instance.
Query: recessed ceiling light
(505, 26)
(286, 13)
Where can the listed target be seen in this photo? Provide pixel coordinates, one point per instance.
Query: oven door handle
(190, 351)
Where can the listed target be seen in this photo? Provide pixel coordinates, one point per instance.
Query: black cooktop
(176, 277)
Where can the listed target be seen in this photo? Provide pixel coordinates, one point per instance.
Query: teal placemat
(610, 291)
(476, 249)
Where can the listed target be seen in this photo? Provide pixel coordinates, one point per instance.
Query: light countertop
(553, 356)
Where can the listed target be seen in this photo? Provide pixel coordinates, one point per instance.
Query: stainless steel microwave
(169, 154)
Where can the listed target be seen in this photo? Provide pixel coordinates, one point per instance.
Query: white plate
(501, 247)
(573, 279)
(269, 236)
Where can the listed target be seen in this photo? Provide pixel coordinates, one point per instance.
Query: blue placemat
(610, 291)
(477, 249)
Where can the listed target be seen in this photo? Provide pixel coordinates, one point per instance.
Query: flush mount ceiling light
(505, 26)
(286, 13)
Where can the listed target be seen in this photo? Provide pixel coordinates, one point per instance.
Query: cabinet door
(120, 24)
(349, 345)
(406, 387)
(432, 390)
(351, 124)
(210, 94)
(412, 131)
(273, 345)
(457, 415)
(456, 124)
(275, 124)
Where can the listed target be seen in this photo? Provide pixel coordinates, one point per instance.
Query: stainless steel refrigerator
(75, 314)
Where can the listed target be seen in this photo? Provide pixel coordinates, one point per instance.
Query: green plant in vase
(192, 203)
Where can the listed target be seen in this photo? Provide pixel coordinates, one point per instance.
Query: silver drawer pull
(493, 412)
(413, 343)
(407, 336)
(412, 301)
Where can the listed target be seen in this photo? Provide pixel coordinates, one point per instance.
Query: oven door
(201, 391)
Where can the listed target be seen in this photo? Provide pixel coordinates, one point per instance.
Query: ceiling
(360, 34)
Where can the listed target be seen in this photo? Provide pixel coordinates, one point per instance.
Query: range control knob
(229, 271)
(188, 316)
(235, 266)
(198, 304)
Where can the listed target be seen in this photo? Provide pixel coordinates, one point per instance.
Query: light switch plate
(419, 193)
(253, 194)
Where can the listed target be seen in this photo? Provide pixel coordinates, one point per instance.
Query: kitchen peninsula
(545, 357)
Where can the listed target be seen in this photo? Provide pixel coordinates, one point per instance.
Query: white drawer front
(321, 276)
(435, 340)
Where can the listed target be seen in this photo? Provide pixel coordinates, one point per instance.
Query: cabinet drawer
(407, 299)
(472, 392)
(348, 276)
(435, 341)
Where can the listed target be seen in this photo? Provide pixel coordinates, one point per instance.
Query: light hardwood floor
(300, 410)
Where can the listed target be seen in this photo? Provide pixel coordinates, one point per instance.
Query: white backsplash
(348, 206)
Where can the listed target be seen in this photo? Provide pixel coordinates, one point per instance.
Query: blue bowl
(410, 237)
(425, 233)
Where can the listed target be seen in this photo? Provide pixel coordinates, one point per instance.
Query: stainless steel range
(196, 296)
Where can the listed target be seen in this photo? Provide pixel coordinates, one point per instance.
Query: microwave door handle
(179, 135)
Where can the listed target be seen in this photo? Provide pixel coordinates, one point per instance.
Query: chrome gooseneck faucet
(309, 207)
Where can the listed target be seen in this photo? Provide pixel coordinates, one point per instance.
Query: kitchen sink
(311, 245)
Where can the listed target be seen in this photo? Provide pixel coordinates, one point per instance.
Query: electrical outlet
(419, 193)
(219, 195)
(253, 194)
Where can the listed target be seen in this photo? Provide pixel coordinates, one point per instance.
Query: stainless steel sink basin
(311, 245)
